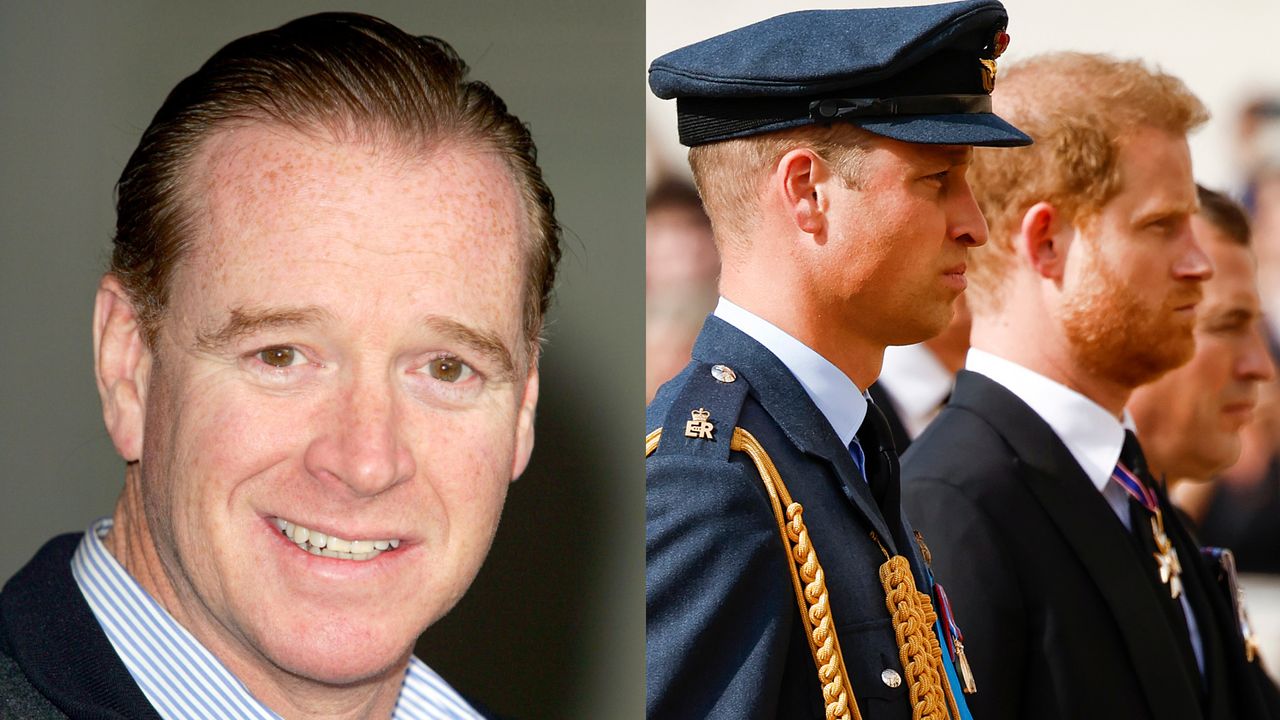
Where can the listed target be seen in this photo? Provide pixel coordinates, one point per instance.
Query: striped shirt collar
(179, 676)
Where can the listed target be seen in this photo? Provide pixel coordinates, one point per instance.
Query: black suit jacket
(724, 636)
(1060, 620)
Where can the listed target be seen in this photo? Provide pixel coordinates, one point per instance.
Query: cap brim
(984, 129)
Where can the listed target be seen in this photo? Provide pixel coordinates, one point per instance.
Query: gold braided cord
(811, 594)
(651, 442)
(918, 647)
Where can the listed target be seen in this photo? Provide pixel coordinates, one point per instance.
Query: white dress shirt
(837, 397)
(917, 383)
(1092, 435)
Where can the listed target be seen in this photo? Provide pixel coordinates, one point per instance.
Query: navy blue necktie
(859, 458)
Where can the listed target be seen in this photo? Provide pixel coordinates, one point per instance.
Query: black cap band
(704, 120)
(837, 108)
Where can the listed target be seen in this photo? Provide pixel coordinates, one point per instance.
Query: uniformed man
(830, 149)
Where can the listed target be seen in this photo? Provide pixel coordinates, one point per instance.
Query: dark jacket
(55, 661)
(724, 637)
(1061, 620)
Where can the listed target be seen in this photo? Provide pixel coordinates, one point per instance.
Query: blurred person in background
(916, 380)
(1238, 509)
(681, 268)
(1189, 420)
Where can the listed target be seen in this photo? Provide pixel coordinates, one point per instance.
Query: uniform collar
(836, 396)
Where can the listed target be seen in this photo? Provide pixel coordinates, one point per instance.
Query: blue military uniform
(780, 582)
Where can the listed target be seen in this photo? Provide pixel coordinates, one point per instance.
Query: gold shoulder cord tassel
(807, 579)
(918, 646)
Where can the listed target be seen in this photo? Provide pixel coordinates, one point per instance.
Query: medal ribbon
(953, 630)
(1125, 478)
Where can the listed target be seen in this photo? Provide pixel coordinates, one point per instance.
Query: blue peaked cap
(917, 74)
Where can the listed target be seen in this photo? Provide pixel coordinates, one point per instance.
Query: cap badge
(999, 43)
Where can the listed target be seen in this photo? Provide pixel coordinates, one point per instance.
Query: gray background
(554, 626)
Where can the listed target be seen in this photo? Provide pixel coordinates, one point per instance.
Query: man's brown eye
(446, 369)
(280, 357)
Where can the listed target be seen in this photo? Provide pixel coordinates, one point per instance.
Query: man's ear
(524, 423)
(1045, 239)
(802, 177)
(122, 365)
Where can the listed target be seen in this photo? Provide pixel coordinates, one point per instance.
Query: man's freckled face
(391, 288)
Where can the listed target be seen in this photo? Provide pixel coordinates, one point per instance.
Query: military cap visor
(917, 74)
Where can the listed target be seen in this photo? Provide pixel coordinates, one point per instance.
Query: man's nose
(1193, 263)
(1255, 362)
(362, 446)
(965, 220)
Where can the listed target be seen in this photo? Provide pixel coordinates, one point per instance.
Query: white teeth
(318, 543)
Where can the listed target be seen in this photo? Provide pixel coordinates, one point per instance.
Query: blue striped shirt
(180, 677)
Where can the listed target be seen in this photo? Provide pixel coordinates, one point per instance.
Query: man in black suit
(1081, 593)
(782, 579)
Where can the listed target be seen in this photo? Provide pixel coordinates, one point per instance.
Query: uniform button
(891, 678)
(723, 373)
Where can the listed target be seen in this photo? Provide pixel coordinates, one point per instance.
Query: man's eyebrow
(484, 342)
(246, 321)
(954, 155)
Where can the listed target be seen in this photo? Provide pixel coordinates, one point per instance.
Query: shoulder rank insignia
(698, 427)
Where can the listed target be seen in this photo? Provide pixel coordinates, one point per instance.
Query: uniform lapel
(785, 400)
(1087, 523)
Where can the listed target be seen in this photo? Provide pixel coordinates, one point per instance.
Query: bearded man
(1082, 593)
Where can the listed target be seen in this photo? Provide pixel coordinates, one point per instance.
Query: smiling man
(831, 151)
(316, 348)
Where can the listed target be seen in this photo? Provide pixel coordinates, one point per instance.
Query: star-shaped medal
(1166, 557)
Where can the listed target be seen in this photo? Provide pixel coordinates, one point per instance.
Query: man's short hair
(1226, 215)
(729, 173)
(1080, 109)
(352, 77)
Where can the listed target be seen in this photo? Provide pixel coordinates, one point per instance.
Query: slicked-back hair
(352, 76)
(1225, 214)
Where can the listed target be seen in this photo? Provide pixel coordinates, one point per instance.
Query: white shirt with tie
(1090, 433)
